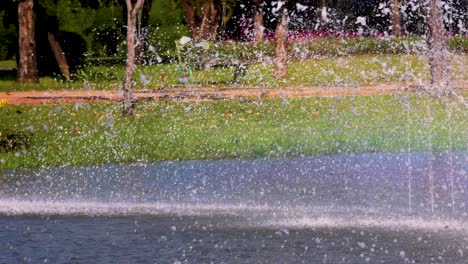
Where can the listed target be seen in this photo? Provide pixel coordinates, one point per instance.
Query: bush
(107, 39)
(161, 42)
(105, 61)
(7, 45)
(459, 44)
(333, 46)
(11, 141)
(8, 36)
(3, 50)
(245, 51)
(100, 73)
(166, 25)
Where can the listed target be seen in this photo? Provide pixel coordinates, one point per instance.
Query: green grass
(96, 133)
(342, 71)
(8, 64)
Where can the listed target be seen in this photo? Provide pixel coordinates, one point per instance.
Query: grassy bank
(96, 133)
(345, 70)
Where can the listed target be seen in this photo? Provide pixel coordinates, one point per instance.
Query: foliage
(162, 39)
(101, 73)
(251, 128)
(166, 26)
(78, 16)
(14, 141)
(228, 6)
(73, 17)
(328, 46)
(7, 39)
(459, 44)
(107, 34)
(309, 48)
(166, 12)
(244, 50)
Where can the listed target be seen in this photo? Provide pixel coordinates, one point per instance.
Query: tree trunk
(258, 24)
(128, 99)
(209, 23)
(205, 26)
(191, 18)
(59, 56)
(322, 11)
(281, 49)
(143, 24)
(27, 65)
(322, 4)
(395, 18)
(438, 50)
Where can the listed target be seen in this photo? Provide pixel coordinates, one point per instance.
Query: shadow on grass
(230, 82)
(8, 74)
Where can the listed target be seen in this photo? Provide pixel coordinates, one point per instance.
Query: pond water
(376, 208)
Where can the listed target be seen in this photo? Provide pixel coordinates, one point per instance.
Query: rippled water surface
(376, 208)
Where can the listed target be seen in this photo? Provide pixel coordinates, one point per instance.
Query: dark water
(331, 209)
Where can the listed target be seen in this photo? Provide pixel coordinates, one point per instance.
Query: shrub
(100, 73)
(11, 141)
(161, 42)
(459, 43)
(333, 46)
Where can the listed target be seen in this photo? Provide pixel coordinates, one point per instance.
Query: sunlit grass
(7, 64)
(96, 133)
(336, 71)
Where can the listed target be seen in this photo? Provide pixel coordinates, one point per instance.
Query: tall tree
(142, 24)
(395, 18)
(322, 4)
(128, 99)
(27, 65)
(258, 22)
(438, 48)
(321, 8)
(202, 18)
(281, 46)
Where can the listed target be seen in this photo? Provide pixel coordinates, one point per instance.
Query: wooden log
(59, 55)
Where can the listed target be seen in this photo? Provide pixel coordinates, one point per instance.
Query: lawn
(96, 133)
(7, 64)
(337, 71)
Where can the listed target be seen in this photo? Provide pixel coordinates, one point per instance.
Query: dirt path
(200, 93)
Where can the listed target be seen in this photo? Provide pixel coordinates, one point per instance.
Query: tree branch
(138, 6)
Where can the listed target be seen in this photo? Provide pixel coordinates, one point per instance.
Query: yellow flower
(3, 102)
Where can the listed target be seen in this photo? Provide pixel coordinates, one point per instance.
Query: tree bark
(143, 24)
(438, 50)
(59, 56)
(281, 49)
(209, 23)
(27, 64)
(205, 25)
(258, 23)
(395, 18)
(322, 4)
(191, 18)
(128, 98)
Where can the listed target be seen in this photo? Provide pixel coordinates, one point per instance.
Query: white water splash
(392, 223)
(266, 216)
(69, 208)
